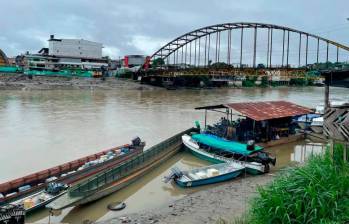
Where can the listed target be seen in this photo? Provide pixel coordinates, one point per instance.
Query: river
(41, 129)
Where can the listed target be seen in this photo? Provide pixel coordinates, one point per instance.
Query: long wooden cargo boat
(18, 190)
(120, 176)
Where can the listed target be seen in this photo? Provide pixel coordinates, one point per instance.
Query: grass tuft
(317, 192)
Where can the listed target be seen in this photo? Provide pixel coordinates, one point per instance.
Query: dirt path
(225, 201)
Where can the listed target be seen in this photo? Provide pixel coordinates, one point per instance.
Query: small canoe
(208, 175)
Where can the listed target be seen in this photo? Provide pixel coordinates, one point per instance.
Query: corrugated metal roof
(268, 110)
(265, 110)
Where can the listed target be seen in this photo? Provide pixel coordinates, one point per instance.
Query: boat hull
(212, 180)
(39, 205)
(251, 167)
(43, 204)
(76, 176)
(202, 156)
(303, 125)
(317, 129)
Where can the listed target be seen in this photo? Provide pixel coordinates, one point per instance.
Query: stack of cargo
(28, 203)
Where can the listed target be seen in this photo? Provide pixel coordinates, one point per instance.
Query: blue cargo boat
(207, 175)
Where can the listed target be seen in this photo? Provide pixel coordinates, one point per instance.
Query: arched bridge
(232, 47)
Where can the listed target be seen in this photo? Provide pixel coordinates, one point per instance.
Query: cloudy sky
(140, 27)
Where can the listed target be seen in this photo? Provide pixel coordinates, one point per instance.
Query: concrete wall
(75, 48)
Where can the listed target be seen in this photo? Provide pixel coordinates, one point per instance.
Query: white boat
(317, 125)
(304, 121)
(208, 175)
(192, 145)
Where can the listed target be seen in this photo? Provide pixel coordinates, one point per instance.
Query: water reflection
(303, 152)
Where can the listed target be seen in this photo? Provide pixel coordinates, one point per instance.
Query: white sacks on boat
(212, 172)
(201, 174)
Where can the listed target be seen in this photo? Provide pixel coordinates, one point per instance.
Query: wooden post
(327, 90)
(345, 152)
(205, 117)
(254, 124)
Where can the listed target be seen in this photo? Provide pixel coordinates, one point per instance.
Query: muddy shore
(227, 201)
(22, 82)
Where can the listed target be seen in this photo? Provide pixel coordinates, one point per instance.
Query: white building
(74, 48)
(131, 61)
(67, 54)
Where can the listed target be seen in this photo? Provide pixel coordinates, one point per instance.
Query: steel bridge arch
(177, 43)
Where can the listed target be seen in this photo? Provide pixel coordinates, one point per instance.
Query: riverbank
(21, 82)
(227, 201)
(18, 81)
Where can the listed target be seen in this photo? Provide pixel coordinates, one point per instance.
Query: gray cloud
(138, 26)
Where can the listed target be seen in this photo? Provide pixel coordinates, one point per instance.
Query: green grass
(317, 192)
(249, 81)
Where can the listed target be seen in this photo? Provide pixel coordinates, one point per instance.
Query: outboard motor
(174, 174)
(265, 158)
(250, 145)
(55, 188)
(136, 141)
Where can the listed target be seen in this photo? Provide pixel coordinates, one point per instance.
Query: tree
(158, 62)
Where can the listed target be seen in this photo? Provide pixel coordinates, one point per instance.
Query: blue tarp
(223, 144)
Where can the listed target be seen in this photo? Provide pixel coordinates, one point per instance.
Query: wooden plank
(336, 123)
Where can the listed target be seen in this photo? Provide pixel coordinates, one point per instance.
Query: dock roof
(265, 110)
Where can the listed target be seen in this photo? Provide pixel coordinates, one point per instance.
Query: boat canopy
(223, 144)
(265, 110)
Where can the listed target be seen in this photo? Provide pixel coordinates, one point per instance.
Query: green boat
(218, 150)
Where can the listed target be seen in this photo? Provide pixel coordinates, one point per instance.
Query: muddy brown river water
(41, 129)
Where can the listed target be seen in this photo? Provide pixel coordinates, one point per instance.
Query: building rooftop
(52, 38)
